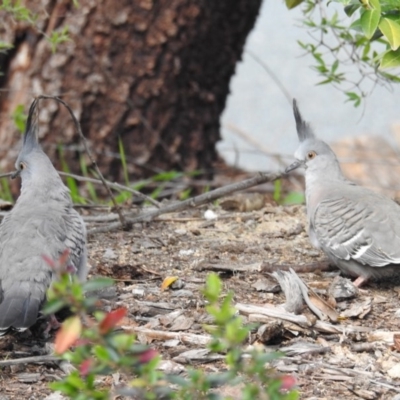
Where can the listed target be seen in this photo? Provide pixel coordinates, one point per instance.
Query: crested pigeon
(42, 224)
(358, 229)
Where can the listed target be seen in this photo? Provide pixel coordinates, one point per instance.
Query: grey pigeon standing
(42, 222)
(358, 229)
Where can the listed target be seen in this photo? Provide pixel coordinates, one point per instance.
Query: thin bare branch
(113, 185)
(88, 152)
(254, 142)
(272, 75)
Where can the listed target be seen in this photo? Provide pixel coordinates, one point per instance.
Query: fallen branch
(193, 202)
(258, 313)
(30, 360)
(187, 338)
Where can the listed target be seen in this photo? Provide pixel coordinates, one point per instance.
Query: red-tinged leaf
(68, 334)
(288, 382)
(50, 262)
(111, 320)
(84, 368)
(64, 257)
(82, 342)
(147, 356)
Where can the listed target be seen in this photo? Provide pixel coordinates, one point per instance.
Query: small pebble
(209, 215)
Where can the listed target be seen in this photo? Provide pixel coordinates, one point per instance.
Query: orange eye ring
(311, 155)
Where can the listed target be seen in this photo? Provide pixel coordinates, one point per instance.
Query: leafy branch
(367, 41)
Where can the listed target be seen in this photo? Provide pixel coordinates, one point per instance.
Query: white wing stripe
(353, 239)
(360, 251)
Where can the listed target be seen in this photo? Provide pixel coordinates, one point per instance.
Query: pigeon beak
(293, 166)
(16, 174)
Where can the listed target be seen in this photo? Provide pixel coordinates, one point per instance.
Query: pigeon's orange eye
(21, 165)
(311, 155)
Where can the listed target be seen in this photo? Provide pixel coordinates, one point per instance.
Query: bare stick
(254, 142)
(113, 185)
(195, 201)
(187, 338)
(92, 160)
(7, 174)
(30, 360)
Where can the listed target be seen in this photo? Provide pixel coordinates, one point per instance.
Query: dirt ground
(354, 359)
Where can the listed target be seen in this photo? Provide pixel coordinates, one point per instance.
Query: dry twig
(30, 360)
(113, 185)
(88, 152)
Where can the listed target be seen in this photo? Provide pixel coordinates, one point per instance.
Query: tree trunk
(154, 73)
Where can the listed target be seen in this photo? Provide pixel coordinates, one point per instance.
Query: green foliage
(294, 198)
(123, 161)
(5, 191)
(101, 350)
(89, 185)
(71, 182)
(58, 37)
(19, 118)
(369, 40)
(290, 199)
(5, 46)
(17, 10)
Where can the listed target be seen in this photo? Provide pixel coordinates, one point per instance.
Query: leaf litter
(348, 349)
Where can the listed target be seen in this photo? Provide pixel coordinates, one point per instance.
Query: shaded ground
(342, 365)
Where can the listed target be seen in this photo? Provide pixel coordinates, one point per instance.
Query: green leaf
(5, 45)
(123, 160)
(351, 96)
(53, 306)
(277, 191)
(294, 198)
(391, 30)
(369, 22)
(19, 117)
(376, 5)
(391, 59)
(356, 25)
(292, 3)
(213, 287)
(351, 9)
(97, 284)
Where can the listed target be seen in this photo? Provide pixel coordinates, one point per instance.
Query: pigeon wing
(24, 274)
(359, 229)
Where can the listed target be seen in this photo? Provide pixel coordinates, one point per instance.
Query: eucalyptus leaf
(369, 22)
(292, 3)
(391, 30)
(375, 4)
(391, 59)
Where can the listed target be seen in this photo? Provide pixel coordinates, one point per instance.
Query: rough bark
(154, 73)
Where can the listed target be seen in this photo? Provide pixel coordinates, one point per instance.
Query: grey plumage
(42, 222)
(358, 229)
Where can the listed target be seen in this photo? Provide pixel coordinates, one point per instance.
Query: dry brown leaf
(396, 341)
(323, 306)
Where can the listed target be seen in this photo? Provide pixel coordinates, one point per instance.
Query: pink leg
(51, 324)
(359, 281)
